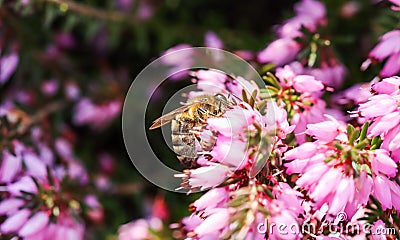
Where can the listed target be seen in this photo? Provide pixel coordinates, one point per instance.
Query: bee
(187, 123)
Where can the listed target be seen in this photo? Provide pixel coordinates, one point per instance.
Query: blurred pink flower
(8, 64)
(65, 40)
(279, 52)
(72, 91)
(182, 60)
(139, 229)
(309, 14)
(307, 83)
(388, 47)
(215, 220)
(96, 116)
(50, 87)
(396, 2)
(15, 221)
(210, 81)
(356, 94)
(35, 224)
(213, 41)
(390, 86)
(10, 166)
(10, 206)
(216, 197)
(66, 228)
(95, 210)
(331, 75)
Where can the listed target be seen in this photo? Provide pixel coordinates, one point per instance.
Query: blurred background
(72, 62)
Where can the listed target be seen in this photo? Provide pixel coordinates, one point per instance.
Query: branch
(87, 10)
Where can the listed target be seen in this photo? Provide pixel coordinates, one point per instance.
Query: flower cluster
(384, 112)
(35, 199)
(311, 15)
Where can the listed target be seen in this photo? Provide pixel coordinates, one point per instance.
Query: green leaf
(268, 92)
(267, 67)
(364, 130)
(262, 106)
(362, 144)
(354, 136)
(253, 98)
(367, 169)
(244, 96)
(272, 80)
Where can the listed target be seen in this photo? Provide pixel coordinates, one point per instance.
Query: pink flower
(396, 2)
(304, 151)
(72, 90)
(237, 85)
(378, 105)
(24, 184)
(291, 28)
(276, 120)
(35, 224)
(65, 228)
(35, 166)
(216, 220)
(306, 83)
(387, 86)
(213, 198)
(382, 163)
(395, 194)
(205, 177)
(8, 64)
(382, 125)
(289, 197)
(377, 230)
(10, 206)
(328, 183)
(213, 41)
(139, 229)
(178, 60)
(381, 190)
(210, 81)
(331, 75)
(231, 152)
(279, 52)
(310, 14)
(388, 47)
(345, 193)
(50, 87)
(10, 165)
(97, 116)
(15, 222)
(363, 187)
(285, 226)
(311, 8)
(325, 131)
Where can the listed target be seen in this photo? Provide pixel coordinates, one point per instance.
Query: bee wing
(167, 118)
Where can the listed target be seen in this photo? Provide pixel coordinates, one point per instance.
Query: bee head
(222, 98)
